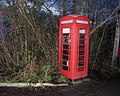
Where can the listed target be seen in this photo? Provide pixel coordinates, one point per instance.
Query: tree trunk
(64, 7)
(116, 40)
(74, 7)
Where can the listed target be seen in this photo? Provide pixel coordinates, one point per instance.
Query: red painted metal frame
(73, 54)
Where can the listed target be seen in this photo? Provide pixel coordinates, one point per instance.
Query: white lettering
(66, 30)
(67, 21)
(82, 21)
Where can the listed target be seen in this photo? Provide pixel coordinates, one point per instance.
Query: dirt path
(88, 88)
(110, 90)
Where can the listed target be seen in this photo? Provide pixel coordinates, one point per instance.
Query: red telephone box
(73, 46)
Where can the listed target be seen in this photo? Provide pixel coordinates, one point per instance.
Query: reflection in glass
(80, 63)
(82, 36)
(65, 57)
(65, 52)
(66, 35)
(81, 41)
(65, 46)
(64, 67)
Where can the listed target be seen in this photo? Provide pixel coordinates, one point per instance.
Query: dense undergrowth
(29, 45)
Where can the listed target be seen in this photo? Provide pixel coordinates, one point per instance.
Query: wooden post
(117, 37)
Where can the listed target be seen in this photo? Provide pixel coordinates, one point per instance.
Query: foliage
(101, 50)
(29, 37)
(30, 44)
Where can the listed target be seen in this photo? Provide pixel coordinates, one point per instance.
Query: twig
(94, 30)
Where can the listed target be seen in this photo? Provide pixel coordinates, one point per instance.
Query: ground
(94, 87)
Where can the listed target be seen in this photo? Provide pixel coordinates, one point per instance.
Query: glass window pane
(82, 35)
(81, 47)
(66, 52)
(66, 35)
(66, 41)
(65, 57)
(81, 52)
(81, 41)
(65, 46)
(80, 63)
(64, 62)
(64, 67)
(81, 58)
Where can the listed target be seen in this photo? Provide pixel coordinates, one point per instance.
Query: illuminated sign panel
(81, 21)
(67, 21)
(82, 31)
(66, 30)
